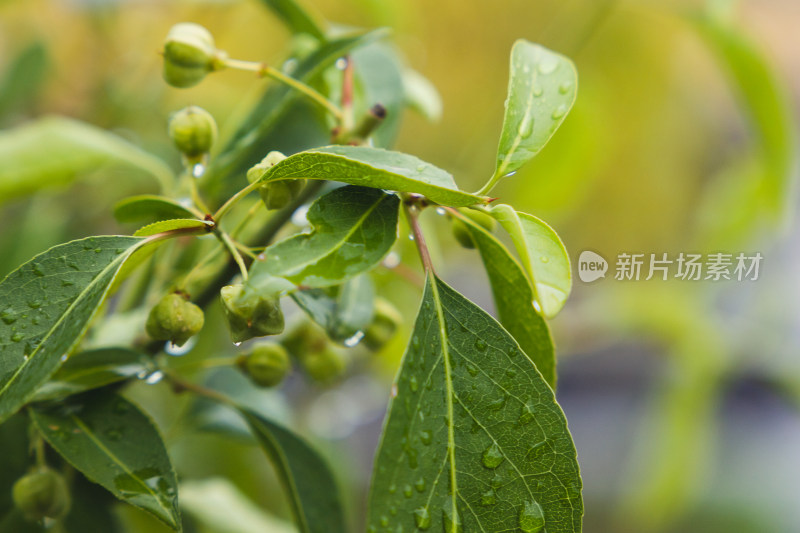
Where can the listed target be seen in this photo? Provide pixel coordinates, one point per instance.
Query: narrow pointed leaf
(72, 147)
(296, 18)
(150, 208)
(94, 369)
(46, 305)
(115, 445)
(188, 226)
(513, 298)
(353, 229)
(474, 440)
(306, 478)
(373, 167)
(543, 255)
(541, 90)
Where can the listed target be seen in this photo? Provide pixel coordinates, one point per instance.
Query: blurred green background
(682, 396)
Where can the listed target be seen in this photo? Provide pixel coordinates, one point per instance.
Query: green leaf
(47, 304)
(513, 298)
(378, 77)
(354, 228)
(342, 311)
(768, 107)
(543, 255)
(22, 80)
(296, 18)
(53, 151)
(541, 91)
(188, 226)
(150, 207)
(373, 167)
(115, 445)
(306, 478)
(474, 439)
(246, 147)
(93, 369)
(421, 95)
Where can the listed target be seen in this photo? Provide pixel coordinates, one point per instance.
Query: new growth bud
(193, 130)
(41, 494)
(250, 314)
(174, 319)
(190, 54)
(275, 194)
(267, 365)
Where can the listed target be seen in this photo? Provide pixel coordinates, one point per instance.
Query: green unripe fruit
(384, 325)
(266, 365)
(190, 54)
(309, 344)
(275, 194)
(250, 314)
(461, 231)
(41, 494)
(174, 319)
(193, 130)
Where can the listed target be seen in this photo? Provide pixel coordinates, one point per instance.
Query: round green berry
(267, 365)
(41, 494)
(174, 319)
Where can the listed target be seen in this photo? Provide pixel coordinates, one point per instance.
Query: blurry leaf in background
(54, 151)
(343, 311)
(150, 208)
(22, 80)
(421, 95)
(219, 505)
(296, 17)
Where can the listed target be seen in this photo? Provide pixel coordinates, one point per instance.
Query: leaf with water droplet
(513, 295)
(305, 476)
(191, 226)
(353, 229)
(62, 315)
(541, 91)
(118, 448)
(461, 467)
(374, 167)
(542, 254)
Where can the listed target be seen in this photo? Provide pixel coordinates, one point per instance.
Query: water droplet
(98, 250)
(526, 126)
(415, 342)
(8, 316)
(531, 517)
(422, 518)
(472, 369)
(393, 510)
(154, 378)
(548, 65)
(544, 259)
(410, 236)
(35, 304)
(17, 337)
(480, 345)
(114, 434)
(121, 408)
(384, 521)
(341, 63)
(441, 211)
(64, 358)
(37, 270)
(451, 523)
(511, 372)
(420, 168)
(537, 91)
(420, 485)
(412, 384)
(392, 488)
(354, 339)
(392, 260)
(565, 87)
(170, 348)
(526, 413)
(198, 169)
(509, 174)
(237, 344)
(426, 437)
(66, 283)
(496, 405)
(492, 456)
(559, 112)
(537, 307)
(488, 498)
(408, 491)
(497, 481)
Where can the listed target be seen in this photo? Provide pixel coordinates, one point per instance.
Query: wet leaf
(543, 256)
(188, 226)
(513, 298)
(47, 304)
(115, 445)
(474, 440)
(373, 167)
(353, 229)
